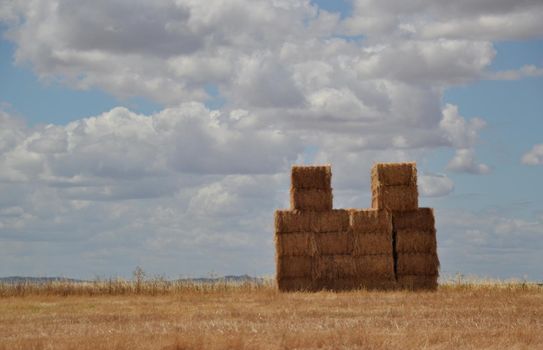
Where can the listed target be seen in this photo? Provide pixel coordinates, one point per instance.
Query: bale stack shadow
(392, 245)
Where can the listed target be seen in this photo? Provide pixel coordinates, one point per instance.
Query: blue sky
(161, 135)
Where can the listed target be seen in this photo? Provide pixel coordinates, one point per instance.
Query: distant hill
(38, 280)
(21, 279)
(228, 278)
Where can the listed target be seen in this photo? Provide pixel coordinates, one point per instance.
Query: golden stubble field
(254, 316)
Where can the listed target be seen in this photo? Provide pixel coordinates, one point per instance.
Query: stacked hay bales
(416, 248)
(393, 244)
(373, 248)
(312, 240)
(394, 186)
(305, 241)
(311, 188)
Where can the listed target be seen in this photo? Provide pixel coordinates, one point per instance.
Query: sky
(161, 134)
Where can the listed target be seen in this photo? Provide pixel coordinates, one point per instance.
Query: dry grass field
(129, 315)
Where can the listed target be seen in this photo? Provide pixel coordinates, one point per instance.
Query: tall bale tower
(391, 245)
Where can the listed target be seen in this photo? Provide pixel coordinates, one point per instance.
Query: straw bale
(372, 243)
(334, 220)
(295, 244)
(416, 241)
(398, 198)
(417, 264)
(355, 283)
(295, 284)
(311, 177)
(370, 283)
(337, 284)
(346, 284)
(294, 266)
(307, 221)
(415, 282)
(331, 243)
(420, 219)
(371, 221)
(375, 266)
(394, 174)
(332, 267)
(314, 200)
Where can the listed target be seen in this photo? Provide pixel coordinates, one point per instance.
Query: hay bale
(295, 244)
(372, 243)
(311, 177)
(370, 221)
(313, 200)
(333, 243)
(370, 283)
(294, 266)
(288, 221)
(379, 267)
(417, 264)
(337, 284)
(421, 219)
(332, 267)
(418, 282)
(296, 284)
(416, 241)
(395, 198)
(394, 174)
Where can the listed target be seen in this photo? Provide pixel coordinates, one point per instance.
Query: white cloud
(120, 144)
(470, 19)
(527, 71)
(461, 133)
(435, 185)
(438, 61)
(489, 243)
(534, 156)
(464, 161)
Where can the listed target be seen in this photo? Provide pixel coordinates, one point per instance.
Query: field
(161, 315)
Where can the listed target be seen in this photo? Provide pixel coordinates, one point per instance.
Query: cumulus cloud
(463, 135)
(460, 132)
(435, 185)
(464, 161)
(477, 19)
(120, 144)
(527, 71)
(488, 243)
(533, 156)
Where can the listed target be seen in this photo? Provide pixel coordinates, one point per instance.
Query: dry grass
(126, 315)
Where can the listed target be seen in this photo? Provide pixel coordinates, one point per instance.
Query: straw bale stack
(372, 247)
(301, 238)
(375, 267)
(393, 244)
(311, 188)
(289, 221)
(334, 243)
(416, 248)
(416, 282)
(331, 267)
(372, 232)
(418, 219)
(317, 177)
(309, 231)
(315, 199)
(394, 186)
(296, 244)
